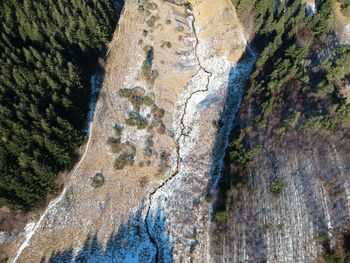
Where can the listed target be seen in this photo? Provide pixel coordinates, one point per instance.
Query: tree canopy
(48, 50)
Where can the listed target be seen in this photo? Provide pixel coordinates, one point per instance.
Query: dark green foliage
(286, 40)
(48, 49)
(291, 87)
(321, 23)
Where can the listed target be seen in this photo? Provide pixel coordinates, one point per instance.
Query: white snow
(4, 237)
(195, 98)
(311, 7)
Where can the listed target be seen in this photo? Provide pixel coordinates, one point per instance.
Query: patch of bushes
(135, 119)
(118, 130)
(136, 97)
(124, 159)
(115, 144)
(151, 21)
(188, 6)
(97, 180)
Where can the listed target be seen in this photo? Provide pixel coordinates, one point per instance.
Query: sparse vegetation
(115, 144)
(135, 119)
(124, 159)
(277, 187)
(136, 97)
(151, 21)
(188, 6)
(97, 180)
(166, 44)
(220, 216)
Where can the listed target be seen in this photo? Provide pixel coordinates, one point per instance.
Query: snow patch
(311, 8)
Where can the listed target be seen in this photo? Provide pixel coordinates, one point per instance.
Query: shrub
(147, 152)
(208, 198)
(220, 216)
(118, 130)
(98, 180)
(161, 129)
(151, 21)
(277, 187)
(115, 144)
(188, 6)
(293, 119)
(151, 6)
(135, 119)
(149, 142)
(280, 131)
(124, 159)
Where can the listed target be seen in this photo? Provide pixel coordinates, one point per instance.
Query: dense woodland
(298, 76)
(292, 86)
(48, 51)
(295, 85)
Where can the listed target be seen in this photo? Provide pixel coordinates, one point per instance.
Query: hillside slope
(169, 71)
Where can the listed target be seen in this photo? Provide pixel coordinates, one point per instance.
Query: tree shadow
(238, 76)
(129, 243)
